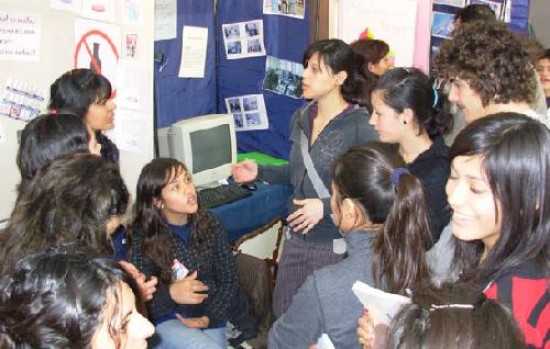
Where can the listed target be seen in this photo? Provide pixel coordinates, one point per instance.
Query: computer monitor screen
(205, 144)
(214, 142)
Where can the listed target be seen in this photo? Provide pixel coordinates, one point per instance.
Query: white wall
(57, 48)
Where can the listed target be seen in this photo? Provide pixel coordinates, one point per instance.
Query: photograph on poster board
(283, 77)
(455, 3)
(290, 8)
(442, 25)
(244, 39)
(496, 6)
(248, 112)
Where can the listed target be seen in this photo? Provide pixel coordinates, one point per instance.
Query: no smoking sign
(97, 50)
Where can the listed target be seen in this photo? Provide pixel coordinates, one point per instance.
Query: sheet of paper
(132, 12)
(165, 19)
(193, 52)
(244, 39)
(21, 100)
(132, 85)
(20, 36)
(290, 8)
(381, 305)
(455, 3)
(74, 6)
(101, 10)
(324, 342)
(248, 111)
(130, 126)
(97, 47)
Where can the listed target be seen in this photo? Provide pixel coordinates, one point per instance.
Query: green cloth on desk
(261, 159)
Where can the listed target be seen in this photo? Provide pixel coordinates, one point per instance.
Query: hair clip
(451, 306)
(436, 97)
(396, 173)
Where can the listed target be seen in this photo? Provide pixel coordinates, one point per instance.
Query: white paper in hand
(381, 305)
(324, 342)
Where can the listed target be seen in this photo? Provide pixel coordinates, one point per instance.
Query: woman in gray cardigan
(320, 132)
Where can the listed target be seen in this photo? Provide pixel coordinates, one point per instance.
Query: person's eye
(477, 190)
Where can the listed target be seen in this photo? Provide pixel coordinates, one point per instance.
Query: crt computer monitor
(205, 144)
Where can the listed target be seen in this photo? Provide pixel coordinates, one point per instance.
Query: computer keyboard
(223, 194)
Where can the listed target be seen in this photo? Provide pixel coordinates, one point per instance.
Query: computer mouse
(250, 186)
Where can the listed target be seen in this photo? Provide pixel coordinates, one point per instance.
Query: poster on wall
(283, 77)
(22, 100)
(455, 3)
(244, 39)
(393, 21)
(20, 36)
(97, 47)
(442, 24)
(290, 8)
(248, 112)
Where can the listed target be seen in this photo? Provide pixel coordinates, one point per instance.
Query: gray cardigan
(346, 130)
(325, 302)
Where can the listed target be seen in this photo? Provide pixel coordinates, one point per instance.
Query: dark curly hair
(58, 298)
(69, 200)
(494, 61)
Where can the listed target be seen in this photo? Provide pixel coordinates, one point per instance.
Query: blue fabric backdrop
(285, 38)
(177, 98)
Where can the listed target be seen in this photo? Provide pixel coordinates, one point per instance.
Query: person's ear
(159, 203)
(371, 67)
(348, 209)
(407, 116)
(341, 77)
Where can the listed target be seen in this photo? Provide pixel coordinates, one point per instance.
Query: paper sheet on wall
(248, 112)
(132, 12)
(101, 10)
(244, 39)
(22, 100)
(130, 126)
(165, 19)
(132, 86)
(97, 46)
(393, 21)
(193, 52)
(74, 6)
(20, 35)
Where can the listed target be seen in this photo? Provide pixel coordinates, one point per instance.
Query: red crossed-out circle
(82, 43)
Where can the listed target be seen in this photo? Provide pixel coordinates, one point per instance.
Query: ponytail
(441, 121)
(400, 247)
(374, 175)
